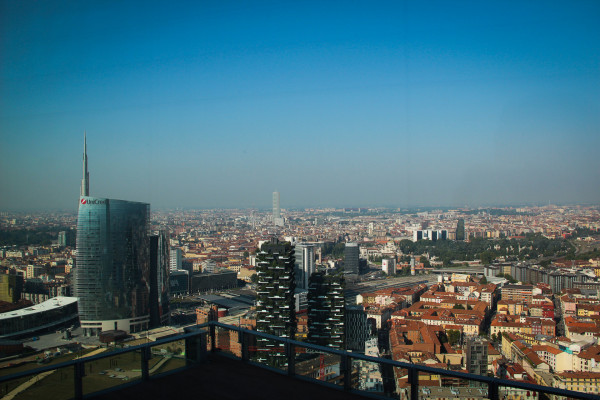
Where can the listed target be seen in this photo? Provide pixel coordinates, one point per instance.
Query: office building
(388, 265)
(305, 264)
(275, 299)
(62, 238)
(159, 280)
(276, 210)
(476, 356)
(175, 260)
(11, 286)
(430, 234)
(209, 266)
(301, 299)
(277, 219)
(326, 310)
(112, 278)
(179, 282)
(517, 292)
(351, 263)
(357, 329)
(460, 229)
(225, 279)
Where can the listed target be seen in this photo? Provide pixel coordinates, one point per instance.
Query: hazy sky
(218, 104)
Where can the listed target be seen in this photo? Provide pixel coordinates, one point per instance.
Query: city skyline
(217, 106)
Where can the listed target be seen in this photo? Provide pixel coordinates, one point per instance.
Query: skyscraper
(112, 277)
(305, 263)
(326, 310)
(159, 279)
(62, 238)
(276, 210)
(277, 219)
(275, 311)
(112, 274)
(351, 262)
(460, 229)
(356, 328)
(175, 260)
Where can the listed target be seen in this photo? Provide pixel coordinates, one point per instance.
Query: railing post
(78, 380)
(493, 393)
(413, 379)
(290, 351)
(146, 356)
(195, 346)
(213, 345)
(244, 343)
(347, 368)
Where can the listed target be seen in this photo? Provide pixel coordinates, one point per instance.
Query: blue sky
(217, 104)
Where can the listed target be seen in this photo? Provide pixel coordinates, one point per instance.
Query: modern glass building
(159, 279)
(112, 274)
(304, 264)
(351, 262)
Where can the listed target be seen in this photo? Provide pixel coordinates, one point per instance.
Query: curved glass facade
(112, 274)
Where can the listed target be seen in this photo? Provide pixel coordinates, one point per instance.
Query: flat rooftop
(53, 303)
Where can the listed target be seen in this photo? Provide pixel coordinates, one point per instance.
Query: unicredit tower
(112, 273)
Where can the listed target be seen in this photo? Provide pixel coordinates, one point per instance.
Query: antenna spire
(85, 181)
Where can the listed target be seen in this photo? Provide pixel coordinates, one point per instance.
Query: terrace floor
(223, 378)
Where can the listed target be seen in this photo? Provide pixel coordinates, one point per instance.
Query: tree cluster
(487, 250)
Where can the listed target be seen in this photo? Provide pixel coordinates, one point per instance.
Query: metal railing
(202, 339)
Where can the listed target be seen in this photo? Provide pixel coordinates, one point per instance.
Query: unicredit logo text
(92, 201)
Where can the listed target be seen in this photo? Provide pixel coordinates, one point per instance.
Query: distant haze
(218, 104)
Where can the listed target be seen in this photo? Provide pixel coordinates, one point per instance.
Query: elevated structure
(305, 263)
(277, 219)
(275, 301)
(351, 262)
(326, 310)
(114, 278)
(276, 209)
(159, 281)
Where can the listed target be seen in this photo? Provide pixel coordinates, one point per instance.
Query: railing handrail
(100, 356)
(417, 367)
(492, 382)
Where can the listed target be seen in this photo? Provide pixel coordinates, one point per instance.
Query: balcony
(205, 361)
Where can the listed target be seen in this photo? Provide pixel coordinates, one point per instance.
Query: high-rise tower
(276, 210)
(114, 275)
(326, 307)
(275, 301)
(351, 262)
(305, 263)
(85, 181)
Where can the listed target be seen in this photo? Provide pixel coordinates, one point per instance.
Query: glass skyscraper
(121, 276)
(112, 274)
(159, 279)
(351, 262)
(304, 264)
